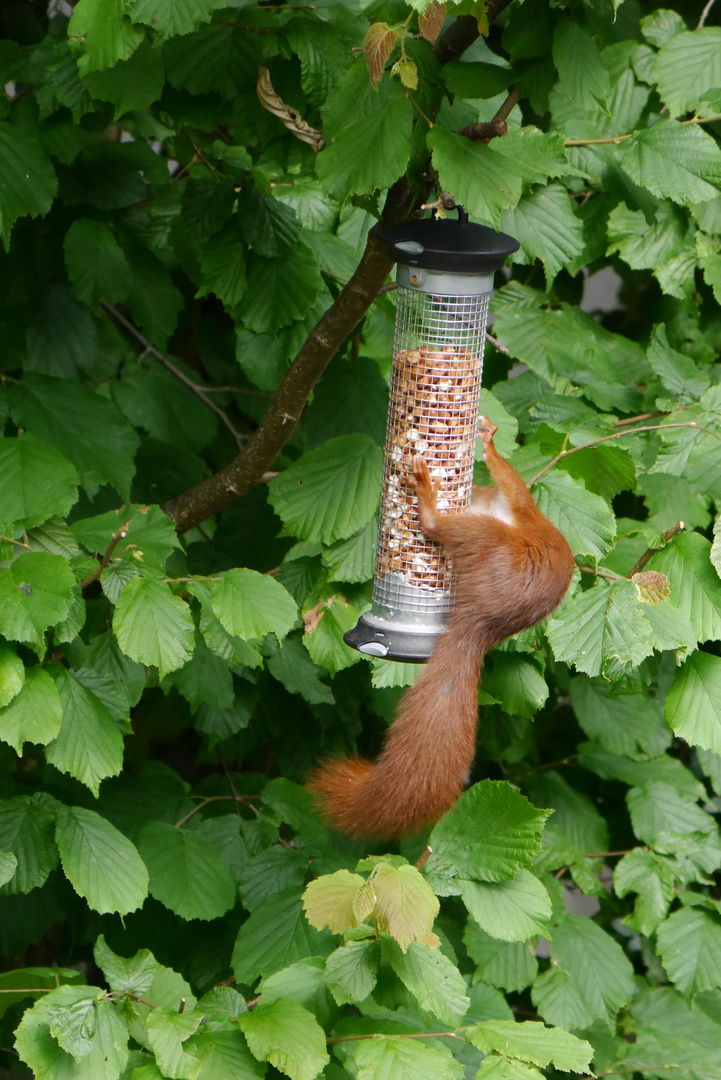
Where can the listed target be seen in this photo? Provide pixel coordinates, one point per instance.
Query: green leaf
(29, 183)
(27, 831)
(269, 226)
(686, 66)
(250, 605)
(405, 905)
(144, 976)
(434, 981)
(36, 482)
(96, 263)
(581, 70)
(585, 519)
(270, 872)
(275, 936)
(624, 724)
(495, 1067)
(605, 623)
(673, 161)
(695, 588)
(323, 58)
(641, 246)
(171, 17)
(130, 84)
(516, 683)
(532, 1042)
(112, 677)
(100, 863)
(350, 971)
(678, 373)
(292, 666)
(661, 815)
(153, 626)
(224, 1055)
(12, 676)
(325, 641)
(331, 492)
(79, 1018)
(279, 291)
(353, 559)
(490, 834)
(330, 901)
(693, 701)
(509, 910)
(84, 426)
(689, 943)
(547, 228)
(166, 1033)
(399, 1059)
(105, 33)
(479, 177)
(186, 875)
(35, 714)
(652, 878)
(89, 744)
(204, 680)
(223, 263)
(371, 154)
(476, 80)
(539, 155)
(288, 1036)
(35, 593)
(510, 965)
(590, 980)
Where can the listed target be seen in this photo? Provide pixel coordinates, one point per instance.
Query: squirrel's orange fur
(512, 568)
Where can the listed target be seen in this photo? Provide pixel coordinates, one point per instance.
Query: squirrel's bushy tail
(426, 759)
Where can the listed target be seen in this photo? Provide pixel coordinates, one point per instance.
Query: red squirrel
(511, 569)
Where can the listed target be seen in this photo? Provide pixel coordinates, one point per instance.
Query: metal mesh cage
(433, 409)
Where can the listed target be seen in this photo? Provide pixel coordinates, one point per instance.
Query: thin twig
(497, 345)
(383, 1035)
(236, 390)
(18, 543)
(199, 391)
(704, 13)
(649, 552)
(630, 134)
(424, 857)
(196, 150)
(390, 287)
(229, 778)
(105, 561)
(618, 435)
(418, 109)
(599, 573)
(210, 799)
(638, 419)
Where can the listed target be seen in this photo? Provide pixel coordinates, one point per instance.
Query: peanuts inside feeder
(445, 278)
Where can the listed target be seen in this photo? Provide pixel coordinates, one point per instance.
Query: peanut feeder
(445, 278)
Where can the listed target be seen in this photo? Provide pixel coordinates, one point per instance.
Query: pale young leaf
(653, 587)
(328, 901)
(430, 22)
(405, 903)
(378, 44)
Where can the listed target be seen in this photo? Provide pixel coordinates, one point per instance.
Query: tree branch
(256, 458)
(649, 552)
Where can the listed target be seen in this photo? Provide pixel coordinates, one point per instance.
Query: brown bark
(246, 470)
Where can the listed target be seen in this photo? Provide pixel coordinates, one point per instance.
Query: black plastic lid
(459, 247)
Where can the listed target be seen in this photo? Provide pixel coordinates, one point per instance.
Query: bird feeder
(445, 278)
